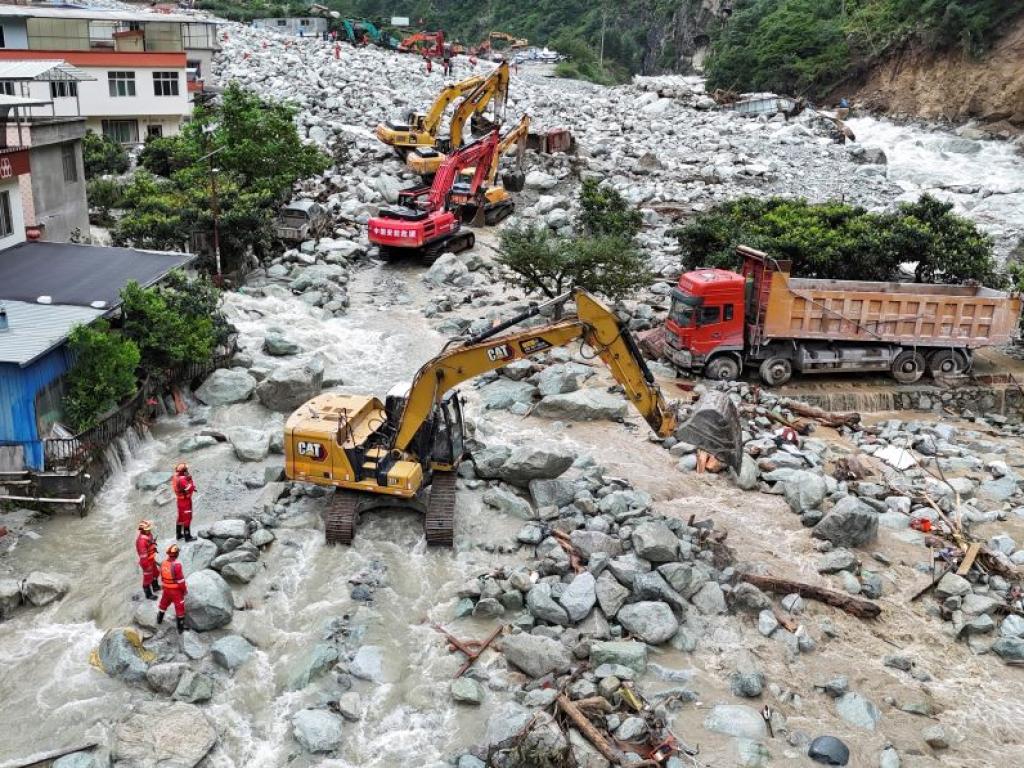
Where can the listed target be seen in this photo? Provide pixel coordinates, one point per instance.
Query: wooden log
(590, 733)
(855, 606)
(828, 418)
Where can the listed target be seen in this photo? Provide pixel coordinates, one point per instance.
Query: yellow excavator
(425, 160)
(492, 200)
(386, 453)
(421, 130)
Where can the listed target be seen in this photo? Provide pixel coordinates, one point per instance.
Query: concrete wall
(60, 206)
(17, 214)
(15, 34)
(94, 99)
(311, 26)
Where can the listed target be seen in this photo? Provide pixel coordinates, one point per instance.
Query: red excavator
(426, 221)
(424, 43)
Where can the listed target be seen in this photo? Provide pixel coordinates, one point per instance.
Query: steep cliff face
(679, 43)
(952, 86)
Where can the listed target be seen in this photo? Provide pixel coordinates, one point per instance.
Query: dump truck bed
(909, 314)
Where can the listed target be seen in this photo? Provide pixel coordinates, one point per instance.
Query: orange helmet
(181, 468)
(145, 525)
(172, 551)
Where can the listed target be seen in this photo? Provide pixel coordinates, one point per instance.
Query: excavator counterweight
(404, 450)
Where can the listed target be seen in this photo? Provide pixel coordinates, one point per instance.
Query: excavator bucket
(714, 426)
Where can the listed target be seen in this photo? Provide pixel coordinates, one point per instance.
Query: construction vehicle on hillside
(486, 46)
(430, 44)
(720, 322)
(421, 129)
(387, 453)
(493, 91)
(426, 222)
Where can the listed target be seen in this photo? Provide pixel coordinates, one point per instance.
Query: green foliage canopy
(102, 155)
(103, 375)
(845, 242)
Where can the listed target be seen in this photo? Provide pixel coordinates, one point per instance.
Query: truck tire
(908, 366)
(946, 363)
(776, 371)
(722, 368)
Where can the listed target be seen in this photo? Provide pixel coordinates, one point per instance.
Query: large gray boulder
(858, 711)
(10, 596)
(506, 721)
(610, 594)
(627, 653)
(289, 386)
(655, 542)
(163, 678)
(193, 687)
(851, 523)
(582, 405)
(503, 393)
(77, 760)
(41, 588)
(317, 730)
(231, 652)
(562, 379)
(650, 621)
(736, 720)
(804, 490)
(249, 444)
(534, 462)
(368, 663)
(446, 270)
(208, 603)
(196, 556)
(276, 344)
(158, 734)
(121, 655)
(591, 542)
(552, 493)
(226, 386)
(310, 664)
(536, 655)
(507, 502)
(579, 596)
(151, 481)
(542, 605)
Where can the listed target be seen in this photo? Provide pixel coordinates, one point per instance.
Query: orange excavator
(427, 221)
(429, 44)
(487, 44)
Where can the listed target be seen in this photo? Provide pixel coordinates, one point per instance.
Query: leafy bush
(160, 155)
(102, 155)
(602, 259)
(844, 242)
(103, 375)
(104, 194)
(171, 324)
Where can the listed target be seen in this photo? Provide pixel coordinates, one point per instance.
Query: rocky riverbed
(302, 654)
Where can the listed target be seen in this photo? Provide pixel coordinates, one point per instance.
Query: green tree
(103, 195)
(102, 155)
(603, 211)
(103, 374)
(160, 155)
(167, 325)
(844, 242)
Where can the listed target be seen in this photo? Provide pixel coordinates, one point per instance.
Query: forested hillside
(801, 47)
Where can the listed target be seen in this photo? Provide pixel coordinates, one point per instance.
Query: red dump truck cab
(766, 319)
(705, 324)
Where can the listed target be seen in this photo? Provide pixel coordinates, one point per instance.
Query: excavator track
(341, 517)
(457, 243)
(498, 212)
(439, 522)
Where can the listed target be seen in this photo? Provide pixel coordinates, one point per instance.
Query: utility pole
(604, 21)
(214, 203)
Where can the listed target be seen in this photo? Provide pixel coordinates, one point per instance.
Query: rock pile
(35, 590)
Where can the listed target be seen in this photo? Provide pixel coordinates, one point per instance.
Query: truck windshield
(683, 309)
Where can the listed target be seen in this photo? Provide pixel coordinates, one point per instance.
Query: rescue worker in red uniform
(145, 546)
(173, 579)
(184, 486)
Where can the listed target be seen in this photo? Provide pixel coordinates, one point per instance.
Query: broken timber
(836, 419)
(594, 736)
(470, 648)
(855, 606)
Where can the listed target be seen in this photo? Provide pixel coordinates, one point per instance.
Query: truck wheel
(908, 367)
(945, 363)
(722, 368)
(776, 371)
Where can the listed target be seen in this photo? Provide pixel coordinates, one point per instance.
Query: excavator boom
(493, 90)
(421, 130)
(594, 324)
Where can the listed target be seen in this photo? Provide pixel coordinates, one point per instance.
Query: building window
(165, 83)
(304, 22)
(3, 43)
(154, 131)
(7, 87)
(70, 160)
(122, 131)
(121, 83)
(282, 23)
(6, 220)
(63, 89)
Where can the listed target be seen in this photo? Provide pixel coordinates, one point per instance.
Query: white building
(144, 65)
(306, 26)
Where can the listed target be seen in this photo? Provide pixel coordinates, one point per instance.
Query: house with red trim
(143, 65)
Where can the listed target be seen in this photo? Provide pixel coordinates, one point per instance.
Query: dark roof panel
(80, 275)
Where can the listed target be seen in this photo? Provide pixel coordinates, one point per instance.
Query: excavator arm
(476, 154)
(515, 137)
(432, 120)
(594, 324)
(493, 89)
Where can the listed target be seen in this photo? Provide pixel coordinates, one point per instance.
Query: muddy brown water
(50, 696)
